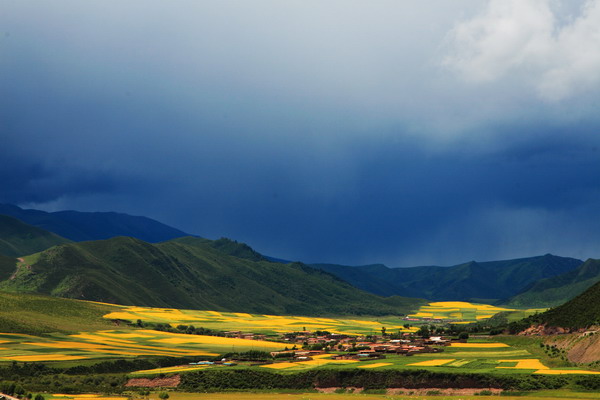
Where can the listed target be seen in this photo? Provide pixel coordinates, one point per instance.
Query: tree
(39, 397)
(163, 395)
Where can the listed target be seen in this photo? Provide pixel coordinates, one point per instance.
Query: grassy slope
(35, 314)
(226, 246)
(469, 281)
(7, 266)
(18, 238)
(580, 312)
(559, 289)
(191, 273)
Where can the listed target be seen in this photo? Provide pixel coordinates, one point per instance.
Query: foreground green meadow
(549, 394)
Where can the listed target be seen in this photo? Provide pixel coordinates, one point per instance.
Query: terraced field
(258, 323)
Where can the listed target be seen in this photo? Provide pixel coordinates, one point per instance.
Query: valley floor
(541, 395)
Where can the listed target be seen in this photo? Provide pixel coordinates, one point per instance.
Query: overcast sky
(402, 132)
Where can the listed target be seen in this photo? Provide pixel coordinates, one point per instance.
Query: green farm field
(479, 357)
(541, 395)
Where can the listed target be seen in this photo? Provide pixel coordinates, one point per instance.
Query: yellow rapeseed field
(479, 345)
(376, 365)
(170, 369)
(325, 361)
(281, 365)
(525, 364)
(121, 315)
(123, 335)
(255, 323)
(175, 338)
(464, 304)
(565, 371)
(432, 363)
(44, 357)
(457, 310)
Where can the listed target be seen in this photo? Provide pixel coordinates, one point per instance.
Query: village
(304, 345)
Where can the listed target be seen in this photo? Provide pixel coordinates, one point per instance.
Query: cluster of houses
(242, 335)
(360, 348)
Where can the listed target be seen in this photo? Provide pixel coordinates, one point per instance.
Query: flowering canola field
(113, 343)
(462, 311)
(258, 323)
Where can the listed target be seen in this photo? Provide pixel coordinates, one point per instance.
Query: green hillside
(224, 245)
(472, 281)
(192, 273)
(35, 314)
(7, 266)
(580, 312)
(559, 289)
(18, 238)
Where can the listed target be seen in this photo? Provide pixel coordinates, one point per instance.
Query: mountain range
(79, 226)
(556, 290)
(192, 272)
(489, 282)
(18, 238)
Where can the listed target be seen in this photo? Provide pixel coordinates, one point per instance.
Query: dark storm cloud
(325, 131)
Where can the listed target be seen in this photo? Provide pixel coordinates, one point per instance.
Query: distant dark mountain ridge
(556, 290)
(473, 281)
(80, 226)
(194, 273)
(19, 239)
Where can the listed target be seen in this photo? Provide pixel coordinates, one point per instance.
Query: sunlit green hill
(194, 273)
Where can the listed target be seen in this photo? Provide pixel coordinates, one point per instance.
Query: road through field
(7, 397)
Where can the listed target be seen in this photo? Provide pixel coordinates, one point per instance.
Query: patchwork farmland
(480, 356)
(462, 312)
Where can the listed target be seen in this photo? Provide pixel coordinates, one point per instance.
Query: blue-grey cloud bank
(342, 131)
